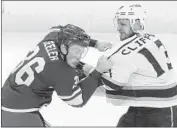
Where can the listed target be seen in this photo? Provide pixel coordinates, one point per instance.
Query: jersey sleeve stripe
(79, 93)
(116, 85)
(110, 84)
(76, 90)
(159, 93)
(150, 87)
(142, 101)
(77, 100)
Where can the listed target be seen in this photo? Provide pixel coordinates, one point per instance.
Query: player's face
(124, 28)
(74, 55)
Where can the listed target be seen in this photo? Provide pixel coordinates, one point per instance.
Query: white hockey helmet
(134, 13)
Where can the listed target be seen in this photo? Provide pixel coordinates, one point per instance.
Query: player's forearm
(82, 90)
(89, 85)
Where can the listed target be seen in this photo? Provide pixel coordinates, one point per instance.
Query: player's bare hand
(103, 64)
(103, 46)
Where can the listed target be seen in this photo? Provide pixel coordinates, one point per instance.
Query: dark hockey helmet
(71, 34)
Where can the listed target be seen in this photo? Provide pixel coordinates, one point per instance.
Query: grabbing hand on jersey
(103, 64)
(103, 46)
(87, 69)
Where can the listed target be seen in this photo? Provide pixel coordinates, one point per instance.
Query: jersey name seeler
(51, 50)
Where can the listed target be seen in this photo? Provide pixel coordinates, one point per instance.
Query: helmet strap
(64, 54)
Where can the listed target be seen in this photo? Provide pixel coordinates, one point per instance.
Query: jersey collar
(129, 39)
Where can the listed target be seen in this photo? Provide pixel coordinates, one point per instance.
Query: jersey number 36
(34, 64)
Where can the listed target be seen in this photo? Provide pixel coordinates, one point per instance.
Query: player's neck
(132, 37)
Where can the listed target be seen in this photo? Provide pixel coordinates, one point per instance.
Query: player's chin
(123, 37)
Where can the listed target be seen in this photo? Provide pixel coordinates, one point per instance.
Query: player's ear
(137, 25)
(63, 49)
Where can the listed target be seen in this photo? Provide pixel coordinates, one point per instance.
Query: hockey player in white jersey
(142, 76)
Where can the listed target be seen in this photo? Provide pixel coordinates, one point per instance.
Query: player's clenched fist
(103, 64)
(103, 46)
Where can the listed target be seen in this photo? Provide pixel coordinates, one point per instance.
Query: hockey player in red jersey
(142, 75)
(51, 66)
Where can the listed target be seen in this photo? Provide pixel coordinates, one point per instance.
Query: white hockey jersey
(142, 74)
